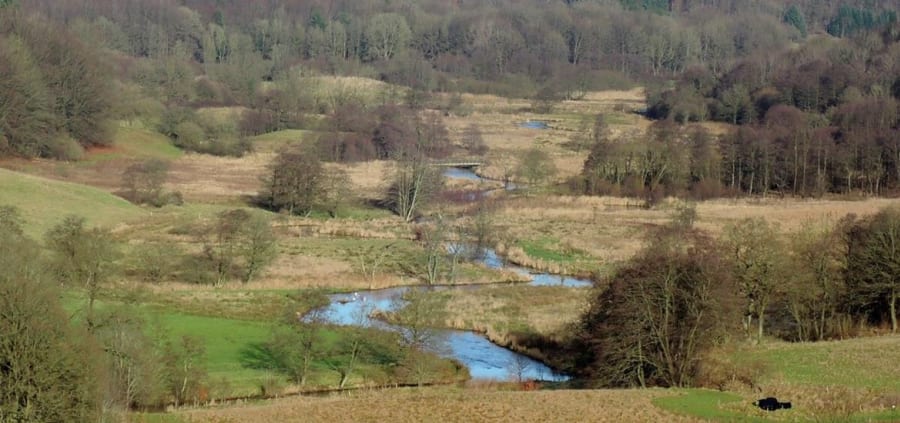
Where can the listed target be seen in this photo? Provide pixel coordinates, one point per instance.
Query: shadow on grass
(259, 357)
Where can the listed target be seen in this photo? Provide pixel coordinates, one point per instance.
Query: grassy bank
(45, 202)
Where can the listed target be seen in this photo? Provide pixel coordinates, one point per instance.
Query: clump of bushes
(142, 183)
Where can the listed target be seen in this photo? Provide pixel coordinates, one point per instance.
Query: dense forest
(813, 86)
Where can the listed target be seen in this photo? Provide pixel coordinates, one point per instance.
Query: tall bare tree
(873, 265)
(756, 255)
(413, 184)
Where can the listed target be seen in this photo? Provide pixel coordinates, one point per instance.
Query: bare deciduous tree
(414, 183)
(85, 258)
(757, 258)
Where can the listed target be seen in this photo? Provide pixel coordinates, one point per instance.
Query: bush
(189, 136)
(63, 147)
(155, 262)
(142, 183)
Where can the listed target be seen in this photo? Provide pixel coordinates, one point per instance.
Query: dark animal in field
(772, 404)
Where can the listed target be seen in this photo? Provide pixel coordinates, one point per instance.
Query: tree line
(659, 314)
(816, 119)
(790, 152)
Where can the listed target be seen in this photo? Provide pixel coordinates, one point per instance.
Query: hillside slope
(44, 202)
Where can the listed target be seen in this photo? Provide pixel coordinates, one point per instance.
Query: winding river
(484, 359)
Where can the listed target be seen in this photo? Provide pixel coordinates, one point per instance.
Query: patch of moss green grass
(705, 404)
(235, 356)
(45, 202)
(868, 363)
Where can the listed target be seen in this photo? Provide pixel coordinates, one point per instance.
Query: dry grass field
(500, 121)
(612, 229)
(566, 234)
(495, 311)
(451, 405)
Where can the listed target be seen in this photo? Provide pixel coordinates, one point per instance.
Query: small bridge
(460, 163)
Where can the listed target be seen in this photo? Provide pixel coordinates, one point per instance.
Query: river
(484, 359)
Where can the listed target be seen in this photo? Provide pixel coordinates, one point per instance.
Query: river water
(484, 359)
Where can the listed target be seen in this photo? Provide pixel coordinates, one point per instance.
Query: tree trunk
(760, 319)
(893, 310)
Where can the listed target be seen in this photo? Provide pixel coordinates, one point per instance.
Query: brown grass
(498, 310)
(499, 120)
(210, 179)
(452, 405)
(614, 229)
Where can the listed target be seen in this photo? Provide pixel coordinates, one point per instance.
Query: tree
(47, 373)
(661, 312)
(414, 183)
(873, 266)
(434, 238)
(77, 82)
(536, 167)
(419, 314)
(295, 181)
(143, 183)
(82, 257)
(482, 229)
(336, 191)
(297, 343)
(546, 98)
(27, 122)
(189, 136)
(259, 246)
(518, 366)
(136, 375)
(816, 289)
(238, 238)
(345, 354)
(756, 256)
(387, 34)
(793, 17)
(473, 141)
(186, 372)
(735, 103)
